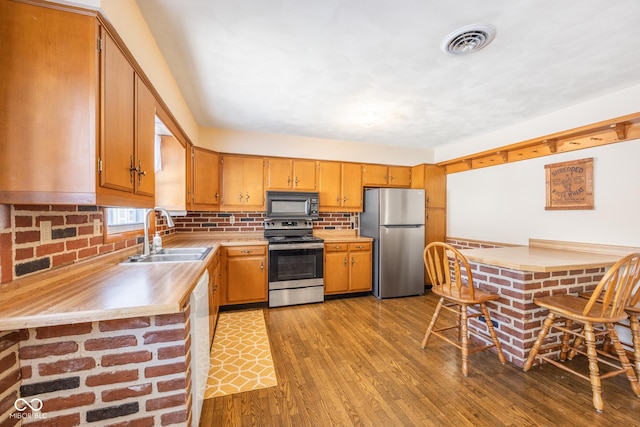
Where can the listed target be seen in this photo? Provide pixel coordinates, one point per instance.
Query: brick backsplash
(254, 221)
(22, 253)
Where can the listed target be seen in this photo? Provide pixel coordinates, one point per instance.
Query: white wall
(240, 142)
(506, 203)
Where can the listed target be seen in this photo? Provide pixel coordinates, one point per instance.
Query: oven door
(295, 265)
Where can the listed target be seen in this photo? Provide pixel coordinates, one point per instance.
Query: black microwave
(292, 204)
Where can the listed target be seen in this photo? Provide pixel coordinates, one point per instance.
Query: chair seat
(464, 296)
(573, 306)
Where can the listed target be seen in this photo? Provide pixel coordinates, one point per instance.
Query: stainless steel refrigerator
(394, 218)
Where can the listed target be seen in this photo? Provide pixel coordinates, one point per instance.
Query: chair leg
(492, 332)
(594, 372)
(536, 346)
(464, 339)
(565, 340)
(624, 360)
(432, 324)
(634, 324)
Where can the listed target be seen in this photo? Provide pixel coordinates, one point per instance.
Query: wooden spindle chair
(446, 268)
(599, 312)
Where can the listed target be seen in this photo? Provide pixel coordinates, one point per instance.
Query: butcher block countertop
(101, 288)
(539, 259)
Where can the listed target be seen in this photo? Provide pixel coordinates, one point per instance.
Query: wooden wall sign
(570, 185)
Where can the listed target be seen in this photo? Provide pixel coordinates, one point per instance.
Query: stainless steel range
(296, 263)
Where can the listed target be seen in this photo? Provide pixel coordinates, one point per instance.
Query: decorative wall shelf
(619, 129)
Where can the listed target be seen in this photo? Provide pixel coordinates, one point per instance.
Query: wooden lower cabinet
(347, 267)
(244, 275)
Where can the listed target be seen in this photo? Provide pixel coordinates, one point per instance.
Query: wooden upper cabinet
(76, 121)
(352, 186)
(305, 175)
(400, 176)
(435, 184)
(126, 155)
(290, 174)
(340, 186)
(329, 185)
(48, 111)
(386, 176)
(242, 183)
(204, 192)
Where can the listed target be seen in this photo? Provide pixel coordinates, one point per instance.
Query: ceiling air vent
(468, 39)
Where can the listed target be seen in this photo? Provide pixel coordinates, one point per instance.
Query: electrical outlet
(232, 219)
(96, 227)
(483, 320)
(45, 231)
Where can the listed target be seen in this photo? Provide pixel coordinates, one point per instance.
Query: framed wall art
(569, 185)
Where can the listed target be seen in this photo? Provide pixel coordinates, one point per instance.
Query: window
(122, 220)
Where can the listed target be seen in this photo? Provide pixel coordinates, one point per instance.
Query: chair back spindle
(614, 291)
(446, 268)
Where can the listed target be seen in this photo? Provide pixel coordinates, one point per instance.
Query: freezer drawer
(400, 270)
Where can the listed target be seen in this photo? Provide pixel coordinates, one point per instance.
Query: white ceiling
(372, 70)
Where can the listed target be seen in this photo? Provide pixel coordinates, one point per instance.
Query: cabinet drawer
(360, 246)
(336, 247)
(246, 250)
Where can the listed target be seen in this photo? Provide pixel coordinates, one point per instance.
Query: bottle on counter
(157, 242)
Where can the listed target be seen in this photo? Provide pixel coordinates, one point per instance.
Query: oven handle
(290, 246)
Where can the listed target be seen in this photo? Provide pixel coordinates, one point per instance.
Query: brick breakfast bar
(519, 274)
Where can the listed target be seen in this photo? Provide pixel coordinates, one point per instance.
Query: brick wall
(72, 237)
(132, 371)
(254, 221)
(519, 320)
(9, 377)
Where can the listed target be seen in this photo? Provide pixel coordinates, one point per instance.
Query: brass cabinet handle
(288, 180)
(296, 181)
(353, 261)
(261, 265)
(247, 197)
(217, 195)
(336, 247)
(240, 197)
(337, 199)
(344, 199)
(141, 173)
(132, 169)
(345, 261)
(245, 251)
(359, 247)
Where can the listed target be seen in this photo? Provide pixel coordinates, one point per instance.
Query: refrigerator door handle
(404, 226)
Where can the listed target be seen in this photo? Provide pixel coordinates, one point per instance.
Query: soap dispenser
(157, 242)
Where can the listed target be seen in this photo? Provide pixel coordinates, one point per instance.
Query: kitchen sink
(166, 255)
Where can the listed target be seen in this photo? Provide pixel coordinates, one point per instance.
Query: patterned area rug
(240, 355)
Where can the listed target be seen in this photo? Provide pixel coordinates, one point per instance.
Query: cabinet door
(279, 173)
(145, 180)
(361, 270)
(247, 279)
(435, 186)
(352, 186)
(336, 272)
(232, 181)
(205, 178)
(305, 176)
(400, 176)
(374, 175)
(48, 106)
(435, 225)
(116, 145)
(254, 183)
(329, 179)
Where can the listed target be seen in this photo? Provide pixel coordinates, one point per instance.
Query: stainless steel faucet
(146, 248)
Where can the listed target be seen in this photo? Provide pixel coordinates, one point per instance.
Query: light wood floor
(358, 361)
